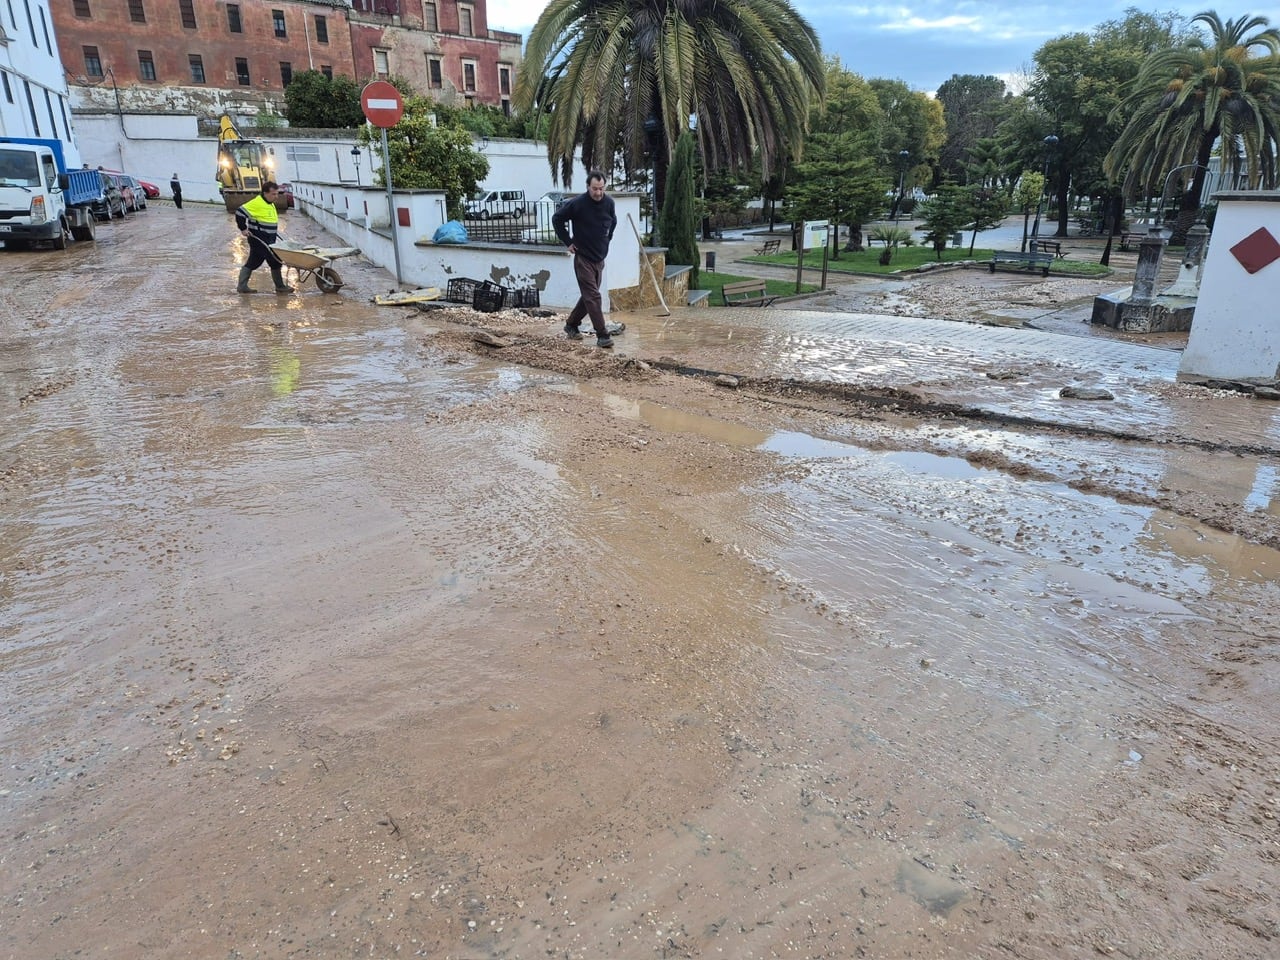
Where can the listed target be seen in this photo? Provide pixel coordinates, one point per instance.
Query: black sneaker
(572, 332)
(605, 342)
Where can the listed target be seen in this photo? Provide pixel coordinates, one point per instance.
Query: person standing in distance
(593, 221)
(175, 187)
(256, 220)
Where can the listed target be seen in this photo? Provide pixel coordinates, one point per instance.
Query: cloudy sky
(925, 41)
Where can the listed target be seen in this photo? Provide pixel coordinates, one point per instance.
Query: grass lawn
(908, 258)
(707, 280)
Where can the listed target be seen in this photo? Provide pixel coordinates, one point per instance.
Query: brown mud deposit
(331, 632)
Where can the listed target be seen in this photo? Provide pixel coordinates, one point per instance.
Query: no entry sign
(381, 104)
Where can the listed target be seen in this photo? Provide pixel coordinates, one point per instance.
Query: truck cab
(39, 200)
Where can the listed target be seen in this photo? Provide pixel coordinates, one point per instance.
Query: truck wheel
(84, 231)
(63, 238)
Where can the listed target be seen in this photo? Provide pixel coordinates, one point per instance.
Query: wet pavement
(330, 633)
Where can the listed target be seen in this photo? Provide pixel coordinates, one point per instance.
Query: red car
(150, 189)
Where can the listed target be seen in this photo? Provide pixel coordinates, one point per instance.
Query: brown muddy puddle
(321, 643)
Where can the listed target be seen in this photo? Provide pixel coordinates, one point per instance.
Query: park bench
(1128, 237)
(768, 247)
(1030, 259)
(1051, 246)
(746, 293)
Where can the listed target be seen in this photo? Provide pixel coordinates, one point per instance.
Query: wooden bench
(768, 247)
(1051, 246)
(1128, 237)
(1030, 259)
(746, 293)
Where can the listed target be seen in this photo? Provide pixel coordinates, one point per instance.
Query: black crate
(461, 290)
(526, 297)
(488, 298)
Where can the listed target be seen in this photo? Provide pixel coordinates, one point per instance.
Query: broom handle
(652, 276)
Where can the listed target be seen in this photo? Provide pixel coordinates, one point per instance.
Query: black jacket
(593, 224)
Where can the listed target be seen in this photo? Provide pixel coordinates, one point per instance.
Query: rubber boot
(278, 277)
(243, 285)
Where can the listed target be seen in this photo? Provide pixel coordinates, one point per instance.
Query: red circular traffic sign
(381, 104)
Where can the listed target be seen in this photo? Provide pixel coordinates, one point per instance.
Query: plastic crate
(526, 297)
(488, 298)
(461, 290)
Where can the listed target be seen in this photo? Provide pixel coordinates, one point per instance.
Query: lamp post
(1049, 143)
(904, 158)
(355, 159)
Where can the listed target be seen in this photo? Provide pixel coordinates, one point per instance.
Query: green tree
(427, 155)
(841, 178)
(678, 223)
(970, 109)
(945, 214)
(1079, 82)
(1188, 97)
(913, 122)
(987, 209)
(622, 79)
(1026, 197)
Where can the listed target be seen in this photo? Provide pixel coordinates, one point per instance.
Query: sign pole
(391, 205)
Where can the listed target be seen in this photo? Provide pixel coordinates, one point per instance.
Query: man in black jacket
(593, 221)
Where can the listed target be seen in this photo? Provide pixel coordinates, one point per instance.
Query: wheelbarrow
(314, 262)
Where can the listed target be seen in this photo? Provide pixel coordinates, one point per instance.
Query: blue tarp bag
(451, 232)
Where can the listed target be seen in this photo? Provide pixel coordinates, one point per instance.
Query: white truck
(40, 200)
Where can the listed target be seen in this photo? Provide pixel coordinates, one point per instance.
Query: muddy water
(323, 638)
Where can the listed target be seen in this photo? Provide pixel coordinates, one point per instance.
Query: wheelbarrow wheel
(327, 279)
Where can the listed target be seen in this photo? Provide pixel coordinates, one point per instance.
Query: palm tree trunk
(1189, 209)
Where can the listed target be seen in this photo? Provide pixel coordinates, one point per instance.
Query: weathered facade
(212, 56)
(444, 48)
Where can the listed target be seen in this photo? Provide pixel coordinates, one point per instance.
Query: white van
(496, 203)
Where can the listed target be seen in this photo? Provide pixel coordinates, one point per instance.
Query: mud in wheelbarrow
(314, 262)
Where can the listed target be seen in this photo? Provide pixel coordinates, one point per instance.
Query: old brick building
(208, 56)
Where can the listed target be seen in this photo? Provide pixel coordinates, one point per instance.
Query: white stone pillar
(1235, 334)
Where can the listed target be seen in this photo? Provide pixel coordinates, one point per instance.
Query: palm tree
(1186, 98)
(622, 78)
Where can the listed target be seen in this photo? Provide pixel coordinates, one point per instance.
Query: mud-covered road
(327, 632)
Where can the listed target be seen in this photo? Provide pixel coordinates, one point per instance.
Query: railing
(501, 221)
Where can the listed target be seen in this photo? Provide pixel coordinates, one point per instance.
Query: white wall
(522, 165)
(1234, 334)
(31, 65)
(360, 216)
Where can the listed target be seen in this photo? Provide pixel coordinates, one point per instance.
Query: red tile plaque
(1259, 249)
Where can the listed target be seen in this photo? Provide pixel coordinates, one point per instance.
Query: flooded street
(328, 632)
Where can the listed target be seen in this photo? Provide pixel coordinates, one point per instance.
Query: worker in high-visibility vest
(257, 222)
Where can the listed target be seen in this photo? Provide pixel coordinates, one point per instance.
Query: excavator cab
(243, 165)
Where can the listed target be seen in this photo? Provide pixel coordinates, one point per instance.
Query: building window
(242, 71)
(137, 13)
(465, 16)
(8, 90)
(197, 68)
(286, 73)
(327, 71)
(430, 22)
(92, 62)
(435, 73)
(506, 108)
(469, 76)
(277, 20)
(82, 9)
(322, 30)
(381, 63)
(233, 18)
(188, 14)
(146, 66)
(504, 80)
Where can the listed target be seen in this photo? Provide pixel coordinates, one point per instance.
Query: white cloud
(953, 22)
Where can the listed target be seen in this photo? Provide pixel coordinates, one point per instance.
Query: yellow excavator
(243, 165)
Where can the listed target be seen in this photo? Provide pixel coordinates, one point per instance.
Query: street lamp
(355, 158)
(904, 158)
(1050, 142)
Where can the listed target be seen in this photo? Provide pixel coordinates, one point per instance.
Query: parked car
(543, 208)
(150, 189)
(110, 202)
(495, 203)
(135, 197)
(284, 199)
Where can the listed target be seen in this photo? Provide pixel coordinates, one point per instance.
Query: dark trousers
(589, 304)
(177, 199)
(260, 253)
